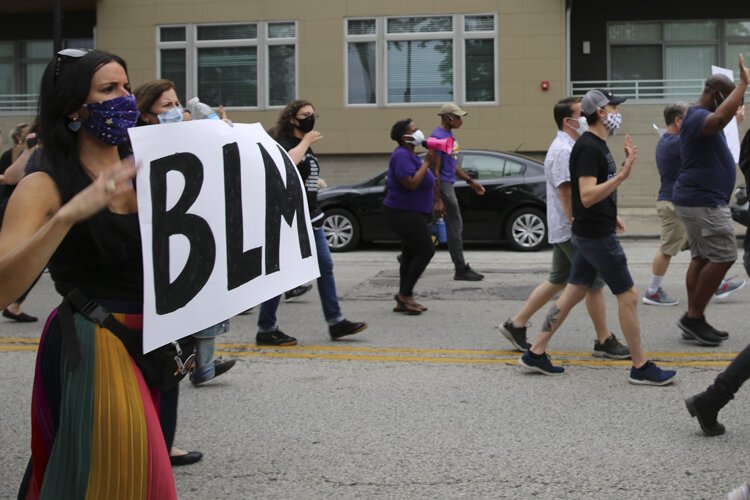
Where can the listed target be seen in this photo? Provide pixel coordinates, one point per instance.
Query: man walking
(701, 198)
(594, 179)
(570, 126)
(673, 233)
(451, 118)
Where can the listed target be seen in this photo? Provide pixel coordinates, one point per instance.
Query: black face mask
(307, 124)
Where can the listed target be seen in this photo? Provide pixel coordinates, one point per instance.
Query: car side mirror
(471, 172)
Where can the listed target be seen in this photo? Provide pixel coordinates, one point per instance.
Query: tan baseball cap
(451, 108)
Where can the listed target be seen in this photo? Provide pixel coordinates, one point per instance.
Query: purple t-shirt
(708, 172)
(447, 161)
(403, 164)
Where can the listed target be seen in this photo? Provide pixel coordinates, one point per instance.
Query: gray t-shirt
(557, 171)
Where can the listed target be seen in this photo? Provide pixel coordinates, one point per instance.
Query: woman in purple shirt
(408, 210)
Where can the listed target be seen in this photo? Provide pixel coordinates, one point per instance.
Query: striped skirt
(95, 429)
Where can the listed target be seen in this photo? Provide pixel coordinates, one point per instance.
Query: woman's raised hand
(111, 184)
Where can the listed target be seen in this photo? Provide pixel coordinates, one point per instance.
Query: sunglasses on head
(65, 54)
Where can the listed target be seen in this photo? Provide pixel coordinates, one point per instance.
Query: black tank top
(101, 255)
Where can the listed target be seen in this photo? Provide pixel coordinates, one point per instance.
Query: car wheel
(526, 230)
(341, 229)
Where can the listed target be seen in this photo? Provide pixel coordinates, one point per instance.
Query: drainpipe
(568, 6)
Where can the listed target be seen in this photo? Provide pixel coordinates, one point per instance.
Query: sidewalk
(644, 223)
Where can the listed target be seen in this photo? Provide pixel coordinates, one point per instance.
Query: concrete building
(367, 64)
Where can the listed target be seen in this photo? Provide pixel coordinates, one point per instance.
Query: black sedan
(512, 210)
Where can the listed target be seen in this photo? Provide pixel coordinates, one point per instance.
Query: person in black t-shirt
(17, 157)
(294, 132)
(593, 180)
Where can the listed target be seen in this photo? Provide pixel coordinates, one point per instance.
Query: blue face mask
(110, 120)
(173, 115)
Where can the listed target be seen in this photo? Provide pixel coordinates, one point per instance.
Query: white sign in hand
(224, 224)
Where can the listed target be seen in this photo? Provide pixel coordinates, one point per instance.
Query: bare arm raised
(716, 121)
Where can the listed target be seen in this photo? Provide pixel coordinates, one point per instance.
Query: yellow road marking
(417, 355)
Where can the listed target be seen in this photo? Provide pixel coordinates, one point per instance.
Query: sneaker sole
(693, 337)
(637, 381)
(536, 369)
(727, 294)
(602, 354)
(462, 278)
(276, 344)
(650, 302)
(504, 331)
(358, 330)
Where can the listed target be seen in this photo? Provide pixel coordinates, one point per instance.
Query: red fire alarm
(545, 85)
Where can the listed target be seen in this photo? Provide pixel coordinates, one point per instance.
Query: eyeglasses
(308, 115)
(65, 54)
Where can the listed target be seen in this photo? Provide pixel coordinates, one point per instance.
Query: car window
(513, 168)
(485, 167)
(482, 167)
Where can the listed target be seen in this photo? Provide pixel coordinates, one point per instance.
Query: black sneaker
(611, 348)
(222, 365)
(467, 274)
(516, 335)
(275, 338)
(344, 328)
(719, 333)
(297, 291)
(699, 331)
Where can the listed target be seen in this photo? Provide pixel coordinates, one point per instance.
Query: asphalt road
(435, 406)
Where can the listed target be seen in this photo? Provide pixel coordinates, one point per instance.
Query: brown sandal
(405, 307)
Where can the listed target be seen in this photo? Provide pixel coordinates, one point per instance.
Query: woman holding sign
(157, 103)
(294, 132)
(95, 428)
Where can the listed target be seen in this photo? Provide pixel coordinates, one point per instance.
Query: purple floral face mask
(110, 120)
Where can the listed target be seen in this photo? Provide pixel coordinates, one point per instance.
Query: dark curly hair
(399, 130)
(283, 127)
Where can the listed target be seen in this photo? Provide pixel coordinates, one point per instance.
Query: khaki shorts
(673, 233)
(710, 233)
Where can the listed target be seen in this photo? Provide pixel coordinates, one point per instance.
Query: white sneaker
(728, 287)
(741, 493)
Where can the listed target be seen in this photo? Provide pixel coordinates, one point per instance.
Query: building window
(22, 64)
(425, 59)
(231, 64)
(674, 55)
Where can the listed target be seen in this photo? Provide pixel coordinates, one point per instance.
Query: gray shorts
(710, 232)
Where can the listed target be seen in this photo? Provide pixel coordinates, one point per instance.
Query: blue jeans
(326, 289)
(604, 255)
(205, 341)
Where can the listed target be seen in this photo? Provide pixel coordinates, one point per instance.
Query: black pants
(417, 249)
(168, 414)
(729, 381)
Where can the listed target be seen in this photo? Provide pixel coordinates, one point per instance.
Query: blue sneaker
(541, 365)
(650, 374)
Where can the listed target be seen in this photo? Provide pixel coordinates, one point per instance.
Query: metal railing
(18, 103)
(643, 89)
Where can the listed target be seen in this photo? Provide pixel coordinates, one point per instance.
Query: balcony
(655, 90)
(18, 104)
